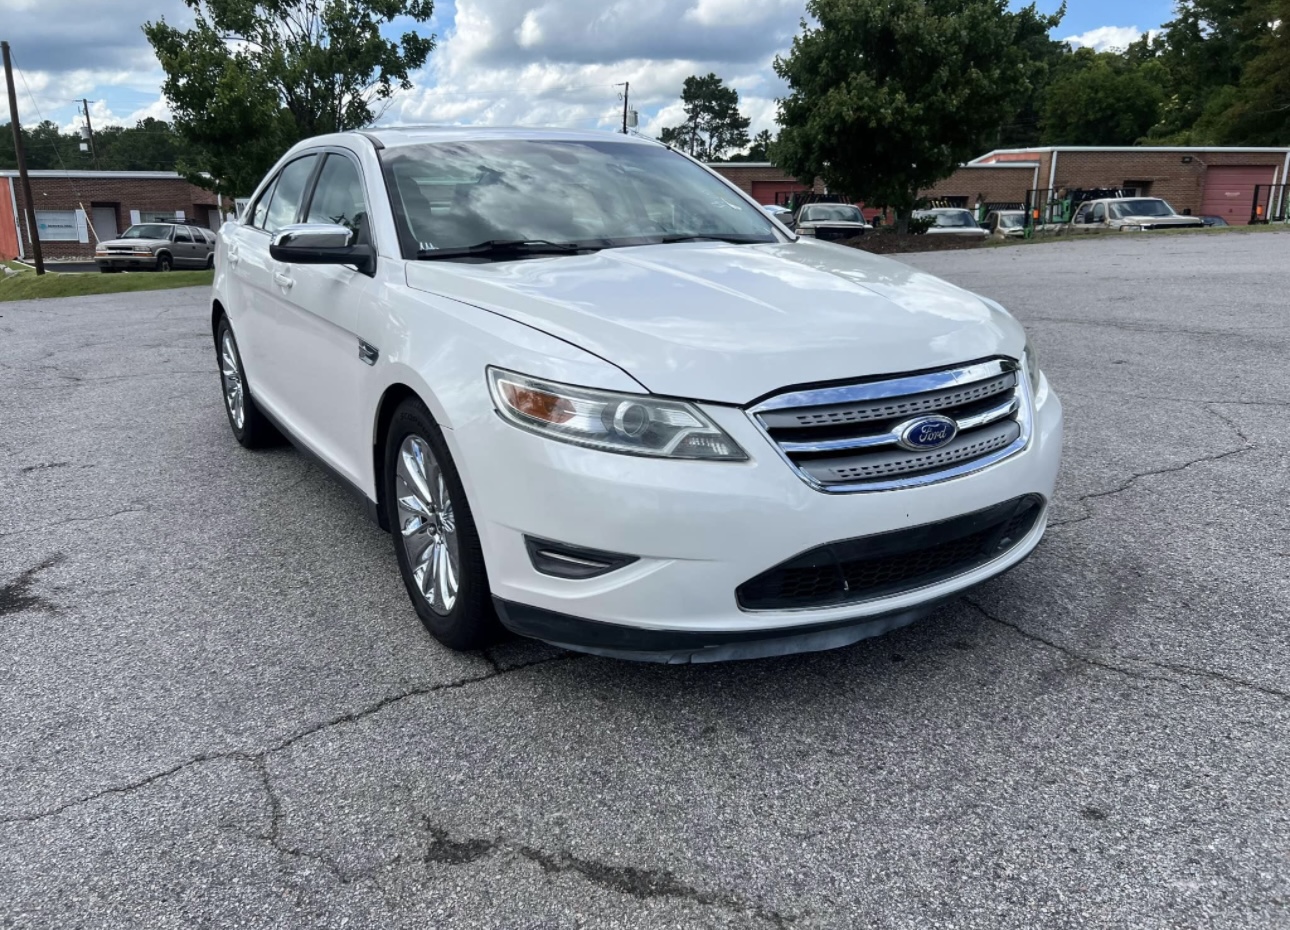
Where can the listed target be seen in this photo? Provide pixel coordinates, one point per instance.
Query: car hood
(134, 243)
(731, 323)
(1174, 220)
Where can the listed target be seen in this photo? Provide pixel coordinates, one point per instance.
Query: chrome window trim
(1022, 400)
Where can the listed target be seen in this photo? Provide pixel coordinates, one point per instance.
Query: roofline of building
(1040, 149)
(740, 164)
(1001, 164)
(110, 175)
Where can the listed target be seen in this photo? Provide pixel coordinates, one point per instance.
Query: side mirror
(322, 244)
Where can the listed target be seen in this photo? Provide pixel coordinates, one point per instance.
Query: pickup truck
(829, 221)
(1130, 214)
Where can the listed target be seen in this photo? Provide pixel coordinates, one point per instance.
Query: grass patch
(27, 285)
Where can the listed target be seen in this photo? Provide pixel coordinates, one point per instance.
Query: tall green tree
(1205, 49)
(759, 150)
(1044, 57)
(713, 124)
(1256, 110)
(1102, 98)
(890, 96)
(253, 77)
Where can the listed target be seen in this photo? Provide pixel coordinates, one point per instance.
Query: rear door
(184, 248)
(318, 331)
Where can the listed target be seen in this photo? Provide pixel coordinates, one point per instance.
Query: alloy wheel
(427, 525)
(231, 373)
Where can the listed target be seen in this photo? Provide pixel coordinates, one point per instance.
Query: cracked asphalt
(217, 708)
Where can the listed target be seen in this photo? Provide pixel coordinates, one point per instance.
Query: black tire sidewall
(165, 263)
(256, 432)
(472, 622)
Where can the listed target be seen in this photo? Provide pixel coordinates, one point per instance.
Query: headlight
(1030, 358)
(633, 424)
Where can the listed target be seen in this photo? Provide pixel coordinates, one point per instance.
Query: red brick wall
(125, 194)
(743, 176)
(990, 185)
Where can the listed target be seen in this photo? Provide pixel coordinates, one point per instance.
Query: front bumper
(699, 530)
(126, 261)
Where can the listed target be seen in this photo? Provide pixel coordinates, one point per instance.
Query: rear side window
(288, 193)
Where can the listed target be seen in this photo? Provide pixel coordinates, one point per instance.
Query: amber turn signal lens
(536, 404)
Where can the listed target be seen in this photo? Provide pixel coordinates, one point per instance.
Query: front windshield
(147, 231)
(955, 218)
(833, 212)
(1140, 208)
(1011, 220)
(599, 194)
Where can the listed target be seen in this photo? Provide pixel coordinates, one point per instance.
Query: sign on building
(57, 225)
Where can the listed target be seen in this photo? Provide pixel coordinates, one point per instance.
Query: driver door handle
(233, 257)
(282, 280)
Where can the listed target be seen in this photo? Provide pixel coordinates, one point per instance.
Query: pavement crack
(257, 757)
(39, 466)
(15, 596)
(634, 881)
(1190, 671)
(79, 520)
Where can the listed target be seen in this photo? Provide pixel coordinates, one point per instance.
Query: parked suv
(1131, 214)
(157, 247)
(600, 398)
(830, 221)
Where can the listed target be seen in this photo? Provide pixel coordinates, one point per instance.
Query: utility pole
(627, 86)
(22, 163)
(94, 152)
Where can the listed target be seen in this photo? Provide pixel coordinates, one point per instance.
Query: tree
(253, 77)
(713, 124)
(1043, 56)
(890, 96)
(1257, 110)
(1102, 98)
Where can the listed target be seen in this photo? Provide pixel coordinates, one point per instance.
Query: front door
(319, 341)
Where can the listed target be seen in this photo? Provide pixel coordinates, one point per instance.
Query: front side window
(288, 193)
(182, 234)
(597, 194)
(338, 197)
(148, 231)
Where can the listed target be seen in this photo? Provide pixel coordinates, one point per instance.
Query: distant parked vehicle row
(157, 247)
(1009, 223)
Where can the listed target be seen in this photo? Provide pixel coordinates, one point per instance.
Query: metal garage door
(1229, 191)
(104, 220)
(775, 191)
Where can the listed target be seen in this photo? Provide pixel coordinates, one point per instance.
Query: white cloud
(1104, 38)
(518, 62)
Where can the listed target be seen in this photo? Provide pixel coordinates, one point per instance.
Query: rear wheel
(435, 541)
(250, 427)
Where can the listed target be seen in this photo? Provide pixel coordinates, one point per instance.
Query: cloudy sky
(513, 62)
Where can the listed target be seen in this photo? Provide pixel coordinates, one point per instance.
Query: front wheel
(164, 262)
(435, 541)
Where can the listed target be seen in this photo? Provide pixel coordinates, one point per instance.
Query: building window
(159, 216)
(56, 226)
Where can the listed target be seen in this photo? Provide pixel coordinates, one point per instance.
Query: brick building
(1202, 181)
(75, 209)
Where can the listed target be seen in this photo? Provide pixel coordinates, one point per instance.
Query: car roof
(396, 136)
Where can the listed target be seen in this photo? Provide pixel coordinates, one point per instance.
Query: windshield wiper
(506, 247)
(715, 237)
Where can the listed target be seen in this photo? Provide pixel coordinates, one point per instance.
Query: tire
(210, 261)
(250, 427)
(165, 262)
(460, 618)
(107, 270)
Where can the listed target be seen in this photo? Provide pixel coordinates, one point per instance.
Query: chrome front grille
(857, 437)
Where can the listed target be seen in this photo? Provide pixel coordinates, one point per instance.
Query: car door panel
(322, 306)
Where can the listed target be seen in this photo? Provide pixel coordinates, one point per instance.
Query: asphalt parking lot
(217, 708)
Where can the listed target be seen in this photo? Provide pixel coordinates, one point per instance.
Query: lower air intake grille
(856, 570)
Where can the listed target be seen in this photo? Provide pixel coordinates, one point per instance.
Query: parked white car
(601, 399)
(1131, 214)
(952, 221)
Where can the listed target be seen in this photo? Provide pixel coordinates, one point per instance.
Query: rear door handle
(282, 280)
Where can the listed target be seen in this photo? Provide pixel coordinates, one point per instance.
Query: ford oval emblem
(926, 433)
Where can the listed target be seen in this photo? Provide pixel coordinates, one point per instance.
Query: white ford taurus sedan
(599, 398)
